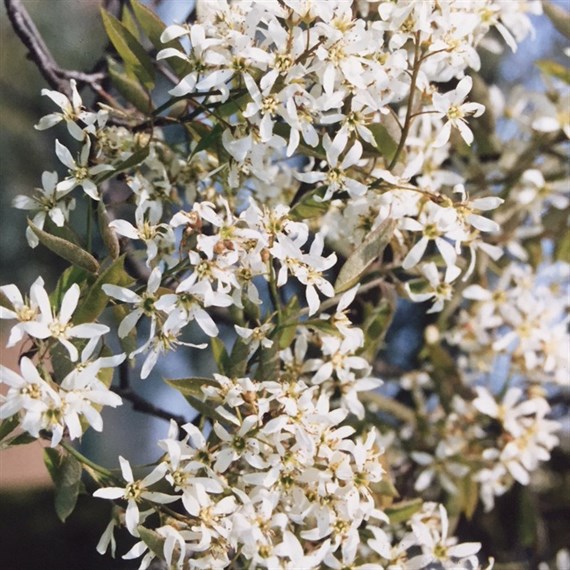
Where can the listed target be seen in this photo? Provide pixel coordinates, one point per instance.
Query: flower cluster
(315, 161)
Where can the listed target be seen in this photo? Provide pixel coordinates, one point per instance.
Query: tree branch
(39, 53)
(145, 407)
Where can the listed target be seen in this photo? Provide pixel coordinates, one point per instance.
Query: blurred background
(31, 536)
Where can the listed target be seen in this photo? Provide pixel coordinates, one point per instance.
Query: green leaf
(386, 488)
(153, 540)
(20, 439)
(108, 234)
(554, 69)
(233, 105)
(203, 408)
(269, 362)
(130, 88)
(150, 23)
(130, 24)
(402, 511)
(70, 276)
(69, 251)
(209, 140)
(153, 27)
(129, 342)
(364, 255)
(136, 158)
(220, 354)
(65, 472)
(60, 362)
(190, 386)
(137, 61)
(469, 491)
(445, 375)
(96, 300)
(377, 319)
(239, 356)
(310, 206)
(384, 141)
(285, 333)
(8, 425)
(562, 252)
(559, 17)
(527, 518)
(323, 326)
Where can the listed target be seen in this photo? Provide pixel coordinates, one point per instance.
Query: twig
(145, 407)
(409, 112)
(39, 53)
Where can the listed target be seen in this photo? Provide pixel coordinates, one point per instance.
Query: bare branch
(145, 407)
(39, 53)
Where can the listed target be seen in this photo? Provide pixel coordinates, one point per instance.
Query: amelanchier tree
(284, 174)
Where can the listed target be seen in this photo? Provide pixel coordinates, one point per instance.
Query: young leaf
(65, 472)
(554, 69)
(151, 24)
(203, 408)
(209, 141)
(129, 22)
(384, 141)
(137, 61)
(129, 88)
(20, 439)
(402, 511)
(309, 206)
(559, 17)
(364, 255)
(377, 320)
(237, 361)
(109, 236)
(153, 540)
(153, 27)
(268, 367)
(69, 251)
(220, 354)
(96, 300)
(8, 425)
(190, 386)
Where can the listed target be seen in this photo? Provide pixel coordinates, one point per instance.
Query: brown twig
(39, 53)
(145, 407)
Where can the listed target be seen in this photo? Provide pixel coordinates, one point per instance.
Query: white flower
(135, 492)
(23, 310)
(147, 229)
(59, 326)
(438, 547)
(450, 106)
(80, 173)
(337, 178)
(71, 111)
(439, 289)
(144, 304)
(46, 202)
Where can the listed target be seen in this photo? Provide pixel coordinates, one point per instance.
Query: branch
(39, 53)
(145, 407)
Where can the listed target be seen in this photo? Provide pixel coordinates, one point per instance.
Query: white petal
(64, 155)
(69, 303)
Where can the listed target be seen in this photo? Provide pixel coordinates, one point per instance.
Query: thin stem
(409, 112)
(89, 225)
(86, 461)
(273, 290)
(145, 407)
(40, 54)
(390, 406)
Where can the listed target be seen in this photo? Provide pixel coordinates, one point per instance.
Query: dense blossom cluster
(317, 131)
